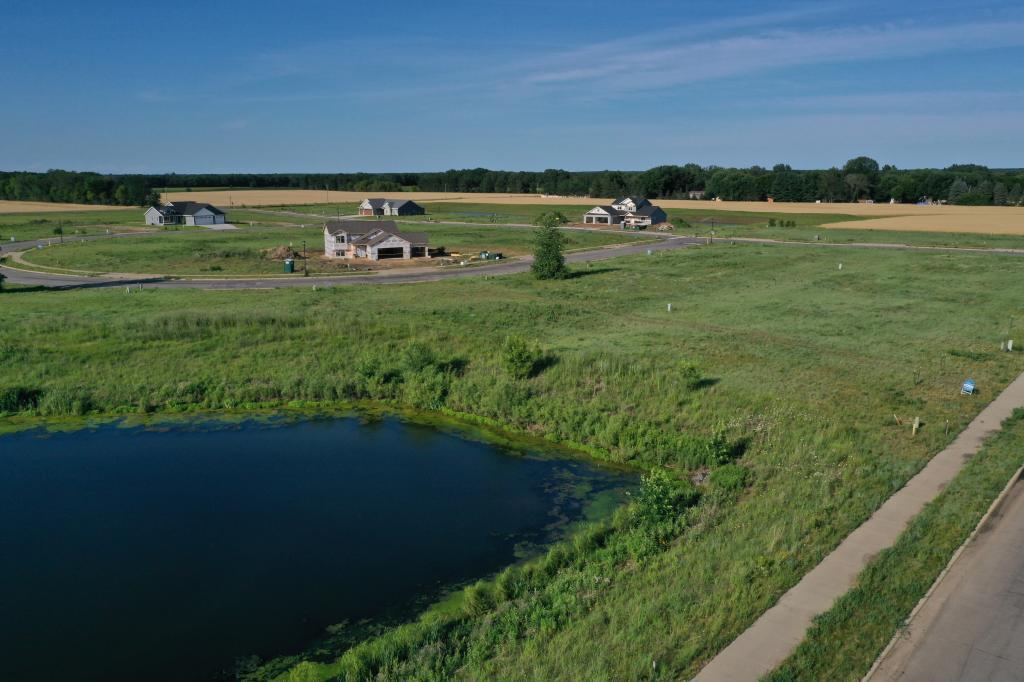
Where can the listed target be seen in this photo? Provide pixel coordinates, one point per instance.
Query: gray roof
(358, 226)
(376, 203)
(188, 208)
(370, 233)
(647, 210)
(398, 203)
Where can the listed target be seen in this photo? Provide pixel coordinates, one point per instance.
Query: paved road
(972, 625)
(403, 276)
(772, 637)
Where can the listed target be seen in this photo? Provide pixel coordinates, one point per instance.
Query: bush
(662, 498)
(729, 477)
(18, 398)
(479, 599)
(519, 356)
(550, 219)
(417, 356)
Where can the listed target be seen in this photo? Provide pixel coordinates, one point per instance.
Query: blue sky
(523, 84)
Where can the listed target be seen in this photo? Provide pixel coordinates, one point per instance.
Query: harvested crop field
(49, 207)
(1003, 220)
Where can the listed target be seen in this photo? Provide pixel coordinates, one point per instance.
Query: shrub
(519, 356)
(417, 357)
(661, 497)
(18, 398)
(479, 599)
(729, 477)
(550, 219)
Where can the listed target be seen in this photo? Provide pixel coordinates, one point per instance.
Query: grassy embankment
(243, 251)
(846, 640)
(772, 358)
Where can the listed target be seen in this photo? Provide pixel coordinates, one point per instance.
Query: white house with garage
(185, 213)
(634, 213)
(390, 207)
(372, 240)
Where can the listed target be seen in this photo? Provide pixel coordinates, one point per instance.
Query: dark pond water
(168, 553)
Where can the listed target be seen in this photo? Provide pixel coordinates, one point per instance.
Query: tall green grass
(774, 379)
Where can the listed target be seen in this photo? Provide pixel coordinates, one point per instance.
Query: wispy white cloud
(679, 61)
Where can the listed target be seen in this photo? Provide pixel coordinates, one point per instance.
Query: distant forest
(859, 179)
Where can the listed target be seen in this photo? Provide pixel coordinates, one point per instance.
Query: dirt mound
(280, 253)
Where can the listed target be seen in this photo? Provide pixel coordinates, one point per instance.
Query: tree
(548, 244)
(1015, 196)
(858, 184)
(957, 190)
(999, 194)
(2, 278)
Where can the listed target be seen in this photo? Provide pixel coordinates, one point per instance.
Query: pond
(171, 552)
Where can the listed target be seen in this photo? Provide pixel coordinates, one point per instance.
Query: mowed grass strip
(800, 364)
(844, 642)
(243, 251)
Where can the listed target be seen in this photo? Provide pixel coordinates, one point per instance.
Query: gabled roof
(367, 233)
(189, 208)
(398, 203)
(610, 210)
(647, 210)
(375, 203)
(358, 227)
(637, 201)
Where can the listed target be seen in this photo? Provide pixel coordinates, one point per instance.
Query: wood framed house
(185, 213)
(390, 207)
(372, 240)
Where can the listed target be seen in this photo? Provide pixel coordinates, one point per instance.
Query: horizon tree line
(861, 178)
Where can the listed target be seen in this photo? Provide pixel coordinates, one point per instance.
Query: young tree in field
(548, 244)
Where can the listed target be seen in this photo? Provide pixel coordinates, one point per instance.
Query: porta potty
(289, 265)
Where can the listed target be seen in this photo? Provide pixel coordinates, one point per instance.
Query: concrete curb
(993, 509)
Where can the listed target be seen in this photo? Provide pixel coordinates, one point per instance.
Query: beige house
(377, 240)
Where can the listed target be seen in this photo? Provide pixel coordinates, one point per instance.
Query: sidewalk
(773, 636)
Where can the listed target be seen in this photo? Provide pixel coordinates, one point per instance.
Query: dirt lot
(47, 207)
(901, 217)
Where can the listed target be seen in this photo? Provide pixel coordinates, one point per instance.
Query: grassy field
(244, 251)
(39, 224)
(845, 641)
(776, 372)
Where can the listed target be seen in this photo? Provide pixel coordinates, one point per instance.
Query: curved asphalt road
(405, 276)
(412, 275)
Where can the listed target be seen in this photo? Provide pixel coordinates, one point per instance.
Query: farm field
(772, 383)
(245, 251)
(7, 206)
